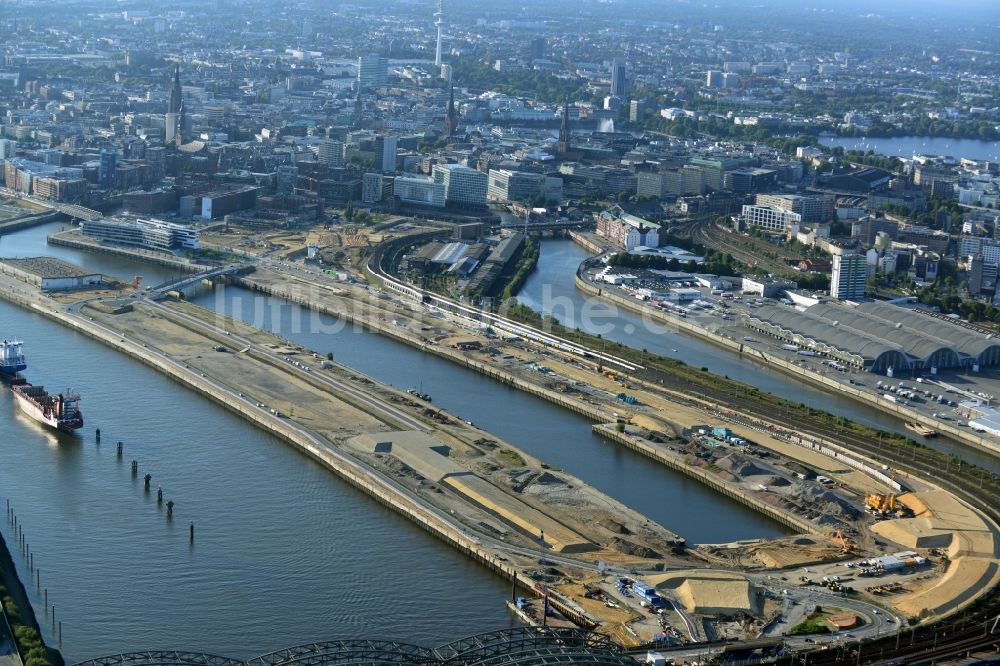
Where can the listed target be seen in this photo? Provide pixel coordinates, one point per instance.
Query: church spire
(175, 92)
(563, 146)
(450, 119)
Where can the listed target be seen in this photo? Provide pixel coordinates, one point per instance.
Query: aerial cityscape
(445, 332)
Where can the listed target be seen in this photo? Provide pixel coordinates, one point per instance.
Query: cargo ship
(11, 357)
(61, 411)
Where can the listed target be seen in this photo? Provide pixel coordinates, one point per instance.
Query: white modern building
(462, 186)
(373, 71)
(154, 234)
(419, 191)
(769, 217)
(850, 274)
(330, 153)
(506, 185)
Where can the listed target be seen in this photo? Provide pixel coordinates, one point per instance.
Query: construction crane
(846, 546)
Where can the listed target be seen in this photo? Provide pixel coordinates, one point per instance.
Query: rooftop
(47, 267)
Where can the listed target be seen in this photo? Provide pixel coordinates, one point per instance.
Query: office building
(373, 71)
(506, 186)
(462, 186)
(376, 188)
(768, 217)
(713, 79)
(287, 175)
(538, 48)
(385, 153)
(419, 191)
(813, 209)
(330, 153)
(106, 170)
(219, 204)
(153, 234)
(850, 274)
(619, 83)
(7, 149)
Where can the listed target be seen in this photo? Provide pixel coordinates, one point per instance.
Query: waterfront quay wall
(792, 369)
(353, 472)
(647, 449)
(585, 243)
(29, 221)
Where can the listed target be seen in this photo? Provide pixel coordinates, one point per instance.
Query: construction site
(562, 538)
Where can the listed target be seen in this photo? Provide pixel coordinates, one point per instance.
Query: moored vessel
(920, 429)
(61, 411)
(11, 357)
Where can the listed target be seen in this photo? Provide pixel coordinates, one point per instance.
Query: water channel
(551, 289)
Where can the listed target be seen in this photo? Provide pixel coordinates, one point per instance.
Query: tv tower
(438, 20)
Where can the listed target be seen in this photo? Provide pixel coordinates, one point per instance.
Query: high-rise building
(372, 188)
(618, 81)
(714, 79)
(385, 152)
(287, 177)
(373, 71)
(850, 274)
(462, 186)
(106, 170)
(538, 48)
(7, 149)
(330, 153)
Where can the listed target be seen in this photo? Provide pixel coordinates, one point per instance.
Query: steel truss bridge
(527, 646)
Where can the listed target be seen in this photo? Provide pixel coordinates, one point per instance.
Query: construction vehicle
(881, 504)
(846, 546)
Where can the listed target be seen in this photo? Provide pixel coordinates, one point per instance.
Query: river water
(908, 146)
(285, 553)
(551, 289)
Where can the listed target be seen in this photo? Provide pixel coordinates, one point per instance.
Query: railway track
(977, 630)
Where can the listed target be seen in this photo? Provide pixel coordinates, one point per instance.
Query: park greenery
(29, 642)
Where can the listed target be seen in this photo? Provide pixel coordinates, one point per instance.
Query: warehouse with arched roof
(877, 336)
